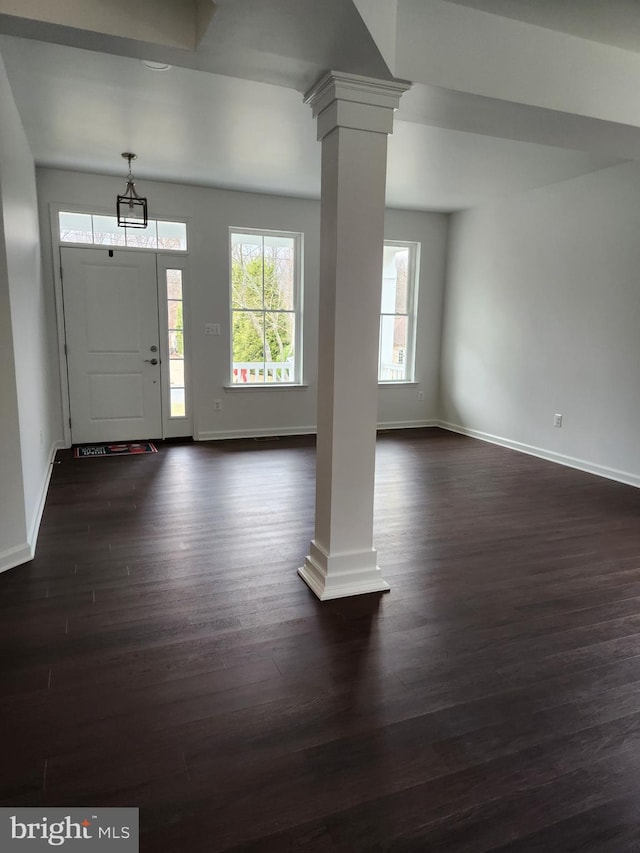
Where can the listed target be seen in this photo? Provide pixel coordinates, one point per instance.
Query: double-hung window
(396, 355)
(266, 297)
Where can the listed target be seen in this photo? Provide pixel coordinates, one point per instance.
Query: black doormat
(123, 448)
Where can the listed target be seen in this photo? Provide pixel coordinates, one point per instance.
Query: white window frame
(413, 277)
(297, 381)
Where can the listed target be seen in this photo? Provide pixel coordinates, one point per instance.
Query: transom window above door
(98, 230)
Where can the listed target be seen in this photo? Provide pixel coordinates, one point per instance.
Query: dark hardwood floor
(161, 652)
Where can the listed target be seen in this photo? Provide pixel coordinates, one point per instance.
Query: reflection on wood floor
(162, 652)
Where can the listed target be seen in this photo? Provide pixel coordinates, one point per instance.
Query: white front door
(111, 325)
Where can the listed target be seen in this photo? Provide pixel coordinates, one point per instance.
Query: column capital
(350, 100)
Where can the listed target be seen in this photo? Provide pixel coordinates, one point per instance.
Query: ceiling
(81, 108)
(614, 22)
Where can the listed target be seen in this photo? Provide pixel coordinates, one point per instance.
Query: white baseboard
(265, 432)
(37, 516)
(15, 557)
(383, 425)
(26, 551)
(625, 477)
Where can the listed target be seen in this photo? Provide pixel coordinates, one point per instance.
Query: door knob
(151, 360)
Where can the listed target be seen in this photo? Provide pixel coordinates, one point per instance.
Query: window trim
(298, 312)
(413, 279)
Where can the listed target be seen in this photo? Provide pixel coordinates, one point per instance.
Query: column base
(338, 576)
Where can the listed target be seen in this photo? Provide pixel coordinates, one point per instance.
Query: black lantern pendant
(132, 208)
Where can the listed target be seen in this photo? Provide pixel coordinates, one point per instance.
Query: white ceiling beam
(466, 50)
(174, 23)
(380, 17)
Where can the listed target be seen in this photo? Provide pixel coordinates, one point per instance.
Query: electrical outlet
(217, 405)
(420, 395)
(212, 328)
(557, 420)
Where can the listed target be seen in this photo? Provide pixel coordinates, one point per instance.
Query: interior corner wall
(13, 528)
(26, 381)
(541, 317)
(210, 214)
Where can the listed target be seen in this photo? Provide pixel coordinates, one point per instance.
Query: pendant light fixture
(132, 208)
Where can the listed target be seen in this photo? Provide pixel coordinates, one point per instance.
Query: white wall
(26, 383)
(13, 527)
(542, 316)
(211, 212)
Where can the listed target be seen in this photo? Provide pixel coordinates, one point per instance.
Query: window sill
(266, 386)
(400, 382)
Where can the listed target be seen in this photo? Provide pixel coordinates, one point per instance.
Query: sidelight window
(175, 331)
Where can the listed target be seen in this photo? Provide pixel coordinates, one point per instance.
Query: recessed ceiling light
(155, 66)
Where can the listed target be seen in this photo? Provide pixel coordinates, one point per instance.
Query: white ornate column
(354, 115)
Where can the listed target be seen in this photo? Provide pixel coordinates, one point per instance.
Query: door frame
(164, 260)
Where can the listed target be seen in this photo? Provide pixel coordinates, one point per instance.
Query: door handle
(151, 360)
